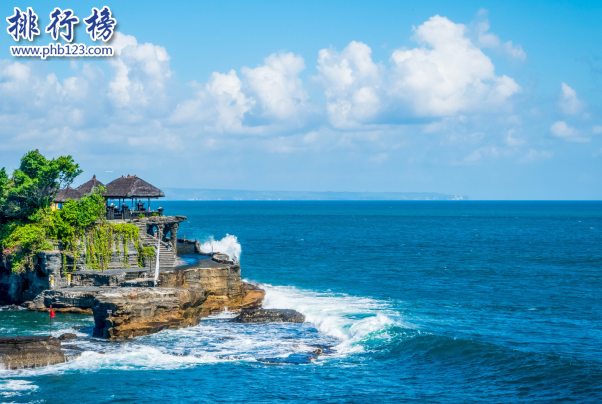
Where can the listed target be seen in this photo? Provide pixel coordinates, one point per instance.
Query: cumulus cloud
(277, 86)
(140, 72)
(485, 39)
(445, 76)
(568, 102)
(352, 84)
(563, 131)
(448, 74)
(273, 91)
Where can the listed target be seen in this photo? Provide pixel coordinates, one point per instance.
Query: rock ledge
(269, 315)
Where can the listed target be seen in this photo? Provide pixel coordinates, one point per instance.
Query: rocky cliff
(184, 297)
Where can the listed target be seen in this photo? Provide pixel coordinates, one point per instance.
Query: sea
(410, 302)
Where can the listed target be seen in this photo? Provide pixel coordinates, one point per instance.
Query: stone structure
(32, 351)
(163, 225)
(185, 296)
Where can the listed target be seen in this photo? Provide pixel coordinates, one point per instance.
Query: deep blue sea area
(418, 301)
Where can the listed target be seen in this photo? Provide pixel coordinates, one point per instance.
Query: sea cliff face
(182, 300)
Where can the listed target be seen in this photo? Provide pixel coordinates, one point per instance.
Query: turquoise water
(442, 302)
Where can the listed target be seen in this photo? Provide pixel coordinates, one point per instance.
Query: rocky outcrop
(269, 315)
(77, 300)
(191, 295)
(26, 285)
(32, 351)
(133, 312)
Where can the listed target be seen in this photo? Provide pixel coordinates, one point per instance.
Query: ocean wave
(360, 324)
(13, 388)
(339, 324)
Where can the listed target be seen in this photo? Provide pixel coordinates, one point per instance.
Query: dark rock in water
(269, 315)
(67, 336)
(31, 351)
(71, 347)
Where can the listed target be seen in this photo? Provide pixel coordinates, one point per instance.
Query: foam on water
(348, 324)
(352, 320)
(12, 388)
(228, 245)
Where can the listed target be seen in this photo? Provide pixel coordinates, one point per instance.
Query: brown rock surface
(185, 296)
(31, 351)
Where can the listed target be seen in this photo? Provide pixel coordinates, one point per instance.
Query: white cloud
(597, 129)
(277, 85)
(534, 155)
(513, 141)
(568, 101)
(352, 84)
(220, 105)
(140, 72)
(563, 131)
(448, 74)
(445, 76)
(486, 39)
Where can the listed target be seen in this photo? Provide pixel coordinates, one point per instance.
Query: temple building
(118, 193)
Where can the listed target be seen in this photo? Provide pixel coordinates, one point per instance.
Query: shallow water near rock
(445, 302)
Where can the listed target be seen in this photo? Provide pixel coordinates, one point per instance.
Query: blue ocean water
(438, 302)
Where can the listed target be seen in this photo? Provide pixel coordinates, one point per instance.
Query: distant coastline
(192, 194)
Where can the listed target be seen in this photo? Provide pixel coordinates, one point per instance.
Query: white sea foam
(350, 324)
(228, 245)
(12, 388)
(350, 319)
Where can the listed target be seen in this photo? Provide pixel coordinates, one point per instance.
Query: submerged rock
(31, 351)
(269, 315)
(67, 336)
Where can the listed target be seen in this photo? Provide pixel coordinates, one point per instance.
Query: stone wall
(25, 286)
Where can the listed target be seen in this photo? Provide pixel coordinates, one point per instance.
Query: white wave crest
(348, 318)
(12, 388)
(228, 245)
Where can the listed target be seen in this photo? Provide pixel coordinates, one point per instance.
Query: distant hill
(191, 194)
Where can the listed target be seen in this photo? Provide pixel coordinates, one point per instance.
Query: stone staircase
(167, 259)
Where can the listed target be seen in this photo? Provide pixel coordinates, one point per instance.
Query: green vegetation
(34, 185)
(28, 225)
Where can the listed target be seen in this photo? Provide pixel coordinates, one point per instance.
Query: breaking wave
(339, 324)
(360, 324)
(228, 245)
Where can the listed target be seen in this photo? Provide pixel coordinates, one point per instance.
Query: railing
(126, 214)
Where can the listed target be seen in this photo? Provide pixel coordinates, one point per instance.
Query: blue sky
(495, 100)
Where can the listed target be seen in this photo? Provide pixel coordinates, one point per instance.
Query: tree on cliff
(34, 184)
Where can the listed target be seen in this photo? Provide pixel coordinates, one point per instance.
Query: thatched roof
(68, 193)
(132, 187)
(89, 186)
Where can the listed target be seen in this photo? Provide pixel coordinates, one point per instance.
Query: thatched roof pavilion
(131, 188)
(89, 186)
(68, 193)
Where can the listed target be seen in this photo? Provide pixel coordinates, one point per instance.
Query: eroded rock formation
(32, 351)
(183, 298)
